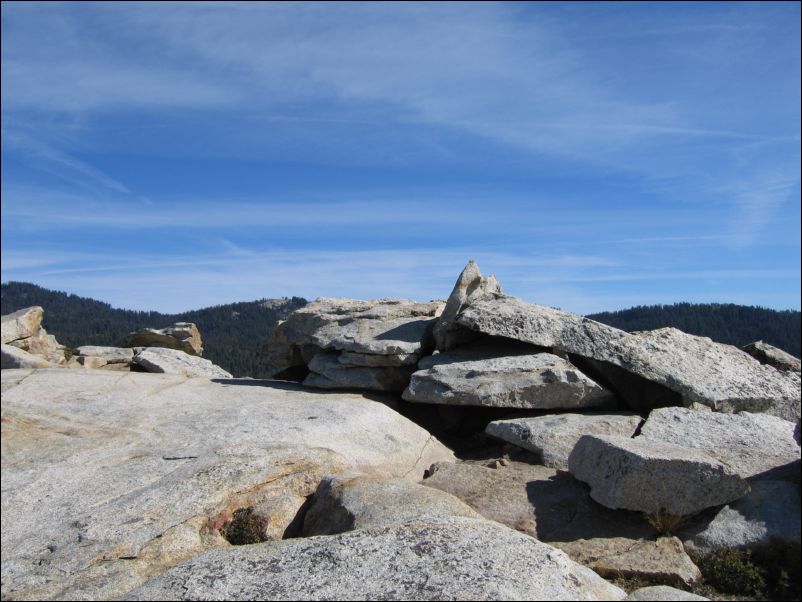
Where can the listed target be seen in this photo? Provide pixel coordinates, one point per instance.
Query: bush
(733, 571)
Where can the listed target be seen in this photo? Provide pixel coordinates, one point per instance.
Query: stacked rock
(349, 344)
(26, 344)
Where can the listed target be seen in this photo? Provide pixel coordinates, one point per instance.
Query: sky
(593, 156)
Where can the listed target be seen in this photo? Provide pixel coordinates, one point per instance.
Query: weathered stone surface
(90, 361)
(663, 592)
(769, 513)
(447, 559)
(328, 373)
(350, 358)
(686, 368)
(553, 437)
(748, 443)
(14, 357)
(184, 336)
(469, 285)
(542, 502)
(492, 376)
(20, 324)
(392, 327)
(768, 354)
(42, 344)
(108, 478)
(174, 361)
(352, 501)
(663, 561)
(649, 476)
(112, 355)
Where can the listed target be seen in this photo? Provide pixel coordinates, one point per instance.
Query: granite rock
(553, 437)
(648, 476)
(447, 559)
(749, 443)
(504, 376)
(174, 361)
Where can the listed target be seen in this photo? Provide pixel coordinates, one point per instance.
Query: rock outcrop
(173, 361)
(768, 354)
(554, 436)
(26, 344)
(352, 501)
(183, 336)
(367, 344)
(653, 477)
(649, 369)
(769, 514)
(659, 593)
(663, 560)
(20, 324)
(449, 559)
(545, 503)
(14, 357)
(110, 478)
(749, 443)
(470, 284)
(504, 376)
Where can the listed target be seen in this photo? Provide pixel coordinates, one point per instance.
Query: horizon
(593, 156)
(193, 309)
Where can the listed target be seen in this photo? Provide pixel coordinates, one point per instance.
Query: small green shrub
(733, 571)
(69, 352)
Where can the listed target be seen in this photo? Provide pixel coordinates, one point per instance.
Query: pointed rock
(470, 284)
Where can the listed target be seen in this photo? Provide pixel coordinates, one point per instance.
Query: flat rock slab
(110, 477)
(662, 561)
(349, 501)
(770, 513)
(20, 324)
(184, 336)
(174, 361)
(542, 502)
(664, 592)
(499, 377)
(327, 372)
(647, 476)
(112, 355)
(694, 368)
(768, 354)
(451, 559)
(749, 443)
(553, 437)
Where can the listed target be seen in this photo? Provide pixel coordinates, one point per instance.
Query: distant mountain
(233, 334)
(722, 322)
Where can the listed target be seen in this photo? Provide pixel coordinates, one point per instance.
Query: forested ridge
(234, 335)
(723, 322)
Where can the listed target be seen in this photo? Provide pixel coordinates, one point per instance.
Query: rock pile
(25, 344)
(348, 344)
(623, 453)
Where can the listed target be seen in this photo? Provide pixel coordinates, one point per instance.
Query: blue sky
(593, 156)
